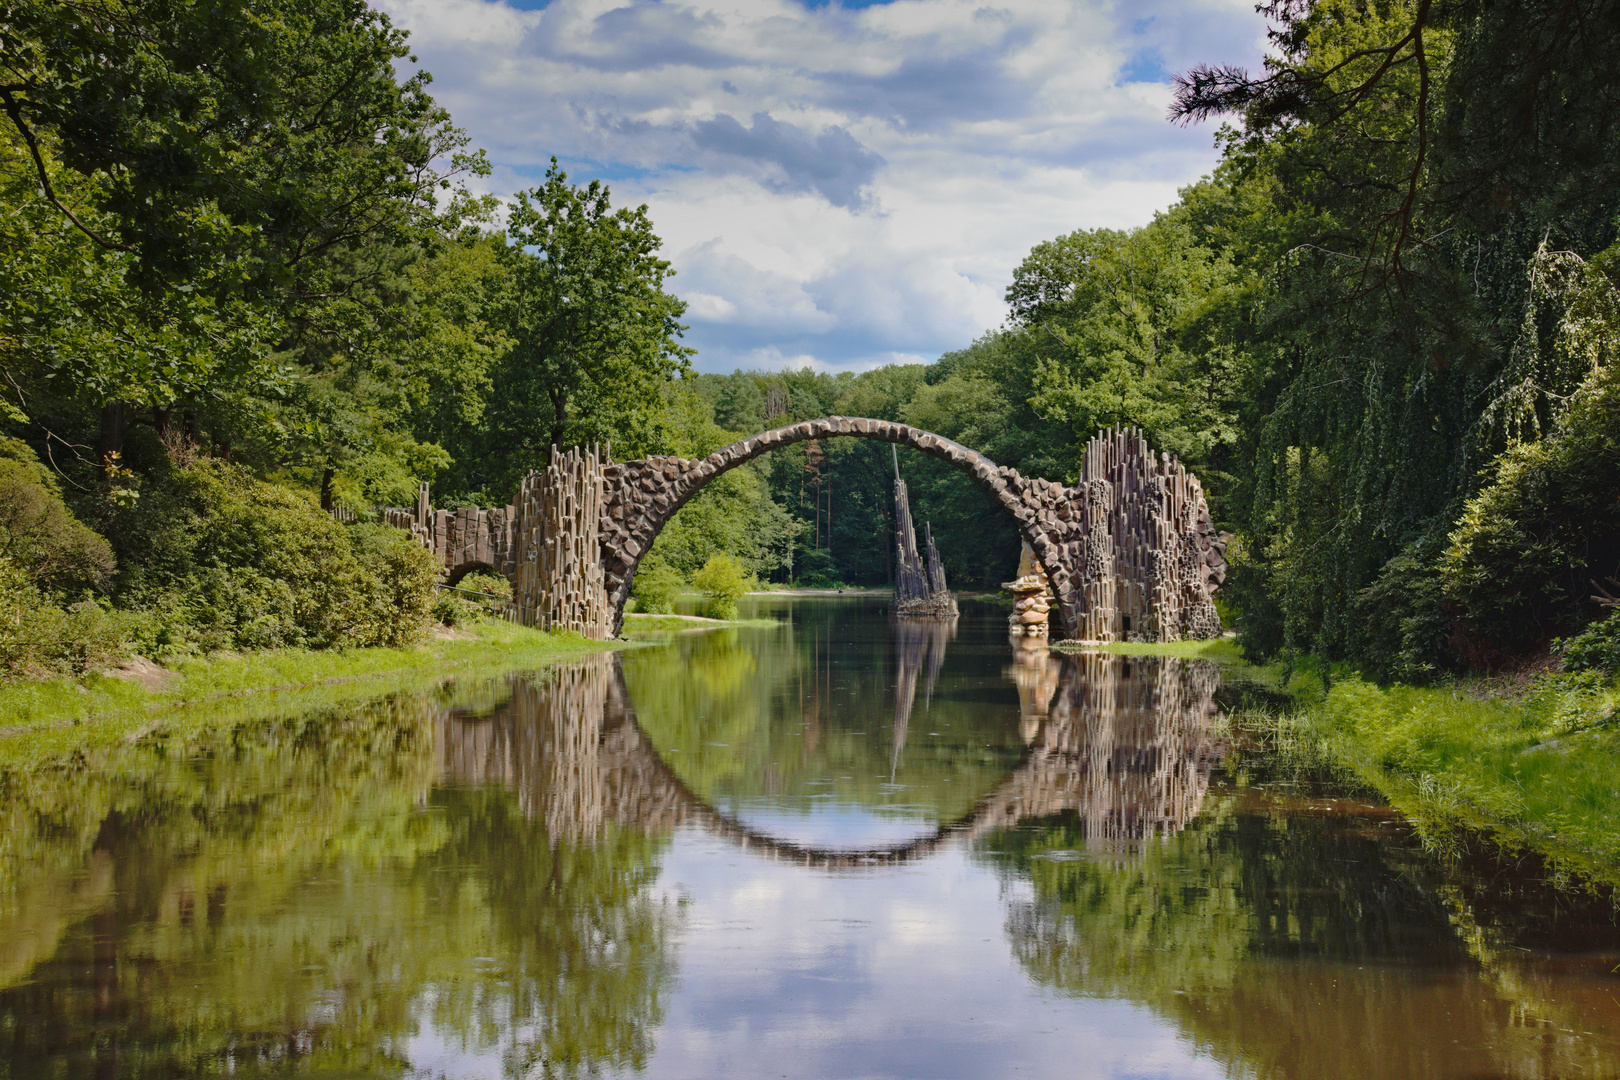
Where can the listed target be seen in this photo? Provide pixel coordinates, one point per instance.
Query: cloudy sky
(843, 185)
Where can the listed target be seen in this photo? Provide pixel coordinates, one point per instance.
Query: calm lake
(843, 847)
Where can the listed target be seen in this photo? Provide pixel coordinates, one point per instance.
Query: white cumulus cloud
(839, 186)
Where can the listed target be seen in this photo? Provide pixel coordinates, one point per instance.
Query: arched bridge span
(642, 496)
(1130, 551)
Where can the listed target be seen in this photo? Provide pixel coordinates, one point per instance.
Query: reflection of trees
(305, 896)
(777, 715)
(1291, 938)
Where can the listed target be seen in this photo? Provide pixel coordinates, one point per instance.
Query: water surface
(845, 847)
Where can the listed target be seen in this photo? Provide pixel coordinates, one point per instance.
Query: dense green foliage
(223, 560)
(1526, 549)
(656, 586)
(49, 562)
(724, 581)
(1380, 330)
(237, 233)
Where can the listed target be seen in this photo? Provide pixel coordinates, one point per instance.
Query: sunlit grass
(1222, 650)
(42, 719)
(1540, 770)
(638, 626)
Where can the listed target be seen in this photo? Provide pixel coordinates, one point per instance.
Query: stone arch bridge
(1129, 550)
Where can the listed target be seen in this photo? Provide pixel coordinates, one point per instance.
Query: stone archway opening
(457, 573)
(1129, 549)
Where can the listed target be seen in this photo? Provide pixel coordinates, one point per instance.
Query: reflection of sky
(904, 972)
(839, 826)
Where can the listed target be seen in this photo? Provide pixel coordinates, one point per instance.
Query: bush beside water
(655, 586)
(724, 581)
(208, 558)
(217, 559)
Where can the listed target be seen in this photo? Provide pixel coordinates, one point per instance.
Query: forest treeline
(246, 278)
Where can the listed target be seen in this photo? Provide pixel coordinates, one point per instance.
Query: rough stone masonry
(1129, 550)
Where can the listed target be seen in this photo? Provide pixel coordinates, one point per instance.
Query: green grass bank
(41, 719)
(49, 718)
(1535, 768)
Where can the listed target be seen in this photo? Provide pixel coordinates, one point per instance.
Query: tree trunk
(559, 402)
(326, 489)
(114, 424)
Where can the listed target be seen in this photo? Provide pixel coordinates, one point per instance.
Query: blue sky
(838, 184)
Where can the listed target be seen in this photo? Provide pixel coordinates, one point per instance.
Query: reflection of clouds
(895, 974)
(925, 144)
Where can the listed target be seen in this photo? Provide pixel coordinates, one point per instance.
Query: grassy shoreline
(50, 718)
(58, 716)
(1537, 770)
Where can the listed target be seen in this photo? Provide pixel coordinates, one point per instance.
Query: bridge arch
(642, 496)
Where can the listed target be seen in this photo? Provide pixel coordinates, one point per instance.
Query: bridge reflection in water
(1124, 743)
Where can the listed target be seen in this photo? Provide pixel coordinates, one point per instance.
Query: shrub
(724, 581)
(815, 568)
(655, 586)
(1597, 648)
(395, 591)
(1520, 560)
(39, 638)
(1402, 627)
(40, 535)
(449, 609)
(232, 562)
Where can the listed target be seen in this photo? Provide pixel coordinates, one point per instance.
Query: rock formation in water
(919, 587)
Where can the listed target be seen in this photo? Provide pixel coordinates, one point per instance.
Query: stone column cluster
(1032, 604)
(559, 583)
(1133, 554)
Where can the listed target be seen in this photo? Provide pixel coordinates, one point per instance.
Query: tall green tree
(596, 337)
(1413, 158)
(258, 155)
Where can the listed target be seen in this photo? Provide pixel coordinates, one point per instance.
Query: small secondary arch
(472, 566)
